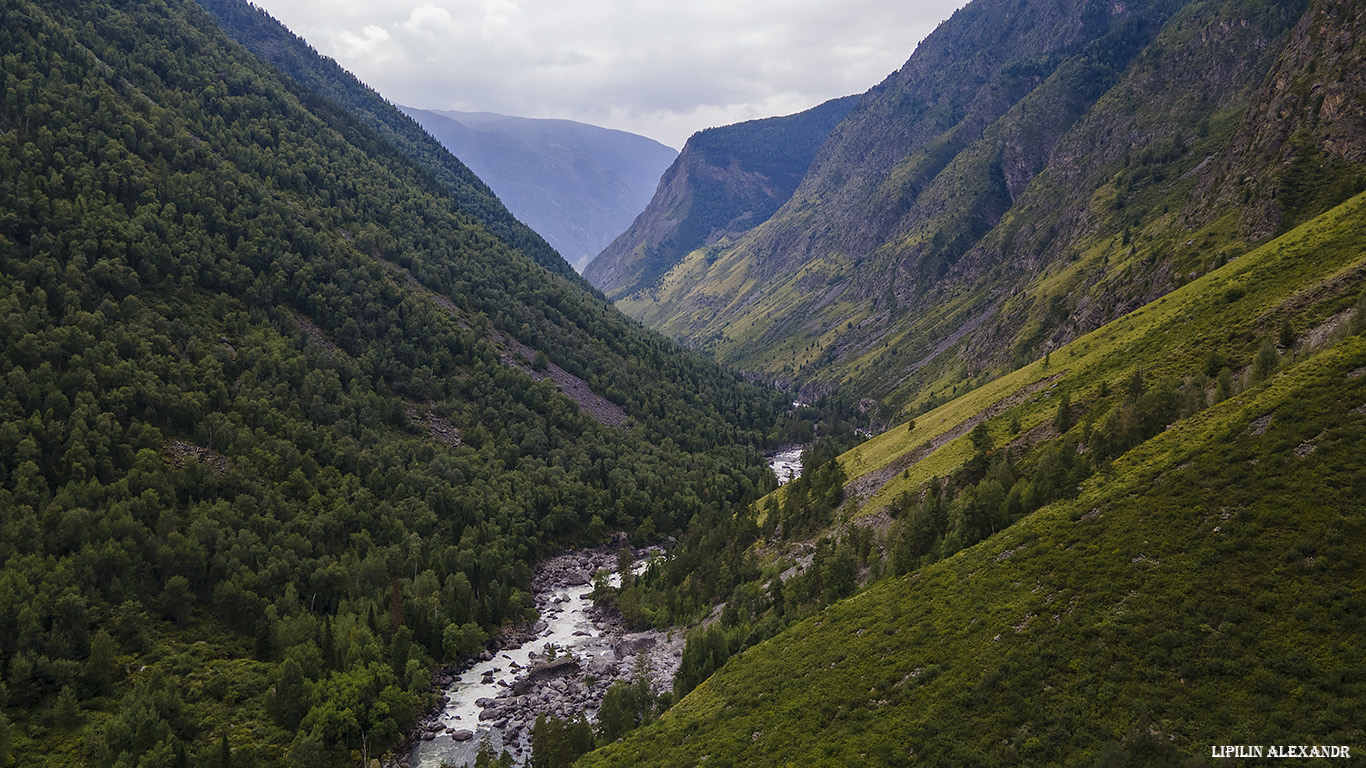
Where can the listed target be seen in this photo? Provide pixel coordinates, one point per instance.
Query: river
(786, 464)
(496, 700)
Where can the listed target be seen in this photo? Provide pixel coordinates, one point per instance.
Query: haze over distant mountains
(577, 185)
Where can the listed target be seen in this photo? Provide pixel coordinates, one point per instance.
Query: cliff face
(1300, 146)
(1033, 170)
(726, 181)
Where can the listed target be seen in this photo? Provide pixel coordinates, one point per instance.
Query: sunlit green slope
(1201, 588)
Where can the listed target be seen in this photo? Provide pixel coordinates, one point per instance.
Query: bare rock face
(726, 181)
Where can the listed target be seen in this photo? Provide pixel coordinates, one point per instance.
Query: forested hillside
(283, 424)
(267, 38)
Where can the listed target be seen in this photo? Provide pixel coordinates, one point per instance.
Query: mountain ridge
(578, 185)
(726, 181)
(927, 209)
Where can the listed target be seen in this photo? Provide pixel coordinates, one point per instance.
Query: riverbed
(577, 652)
(786, 464)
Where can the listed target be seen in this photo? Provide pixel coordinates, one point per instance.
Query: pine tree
(1063, 420)
(102, 665)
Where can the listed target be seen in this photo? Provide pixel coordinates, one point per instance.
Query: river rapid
(496, 700)
(786, 464)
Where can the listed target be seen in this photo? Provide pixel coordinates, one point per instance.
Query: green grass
(1305, 276)
(1205, 591)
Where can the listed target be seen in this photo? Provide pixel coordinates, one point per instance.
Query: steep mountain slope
(282, 425)
(1197, 588)
(577, 185)
(267, 38)
(1032, 172)
(726, 181)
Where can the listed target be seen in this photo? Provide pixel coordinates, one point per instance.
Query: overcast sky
(662, 69)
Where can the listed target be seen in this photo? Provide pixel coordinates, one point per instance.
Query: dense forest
(267, 38)
(263, 459)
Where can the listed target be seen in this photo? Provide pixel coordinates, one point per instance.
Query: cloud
(662, 69)
(428, 21)
(365, 44)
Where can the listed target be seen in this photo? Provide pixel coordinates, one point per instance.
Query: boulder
(631, 644)
(462, 735)
(550, 669)
(602, 665)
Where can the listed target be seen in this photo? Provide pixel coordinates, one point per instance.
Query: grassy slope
(1306, 277)
(1212, 597)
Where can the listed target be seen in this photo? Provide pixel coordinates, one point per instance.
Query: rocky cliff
(1033, 171)
(726, 181)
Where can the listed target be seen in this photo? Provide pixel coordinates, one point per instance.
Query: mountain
(1033, 171)
(1131, 299)
(726, 181)
(290, 408)
(1121, 555)
(578, 185)
(324, 78)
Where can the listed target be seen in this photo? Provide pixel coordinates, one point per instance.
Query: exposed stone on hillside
(179, 451)
(440, 430)
(520, 356)
(313, 332)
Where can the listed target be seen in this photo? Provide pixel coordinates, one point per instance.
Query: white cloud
(661, 69)
(428, 21)
(365, 44)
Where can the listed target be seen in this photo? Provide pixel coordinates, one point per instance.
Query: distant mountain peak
(577, 185)
(727, 180)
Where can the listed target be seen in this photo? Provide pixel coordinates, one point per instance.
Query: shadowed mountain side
(725, 182)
